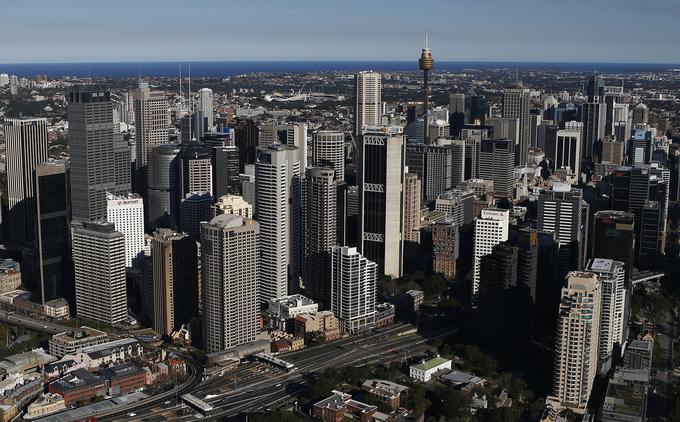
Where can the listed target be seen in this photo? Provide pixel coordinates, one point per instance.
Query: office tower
(195, 208)
(320, 230)
(635, 189)
(651, 235)
(381, 176)
(205, 105)
(496, 162)
(151, 129)
(478, 109)
(563, 211)
(163, 194)
(247, 139)
(126, 212)
(593, 117)
(425, 64)
(595, 88)
(491, 228)
(230, 261)
(233, 204)
(99, 267)
(195, 169)
(411, 208)
(92, 140)
(26, 147)
(516, 104)
(367, 100)
(445, 247)
(640, 114)
(576, 345)
(277, 210)
(457, 114)
(225, 171)
(53, 275)
(640, 147)
(567, 149)
(503, 317)
(122, 157)
(353, 288)
(328, 150)
(294, 134)
(248, 184)
(472, 147)
(614, 239)
(175, 280)
(456, 103)
(437, 129)
(457, 203)
(674, 173)
(613, 151)
(505, 128)
(611, 275)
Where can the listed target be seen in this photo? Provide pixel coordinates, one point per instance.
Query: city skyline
(302, 31)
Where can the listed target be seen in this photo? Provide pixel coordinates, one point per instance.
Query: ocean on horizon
(231, 68)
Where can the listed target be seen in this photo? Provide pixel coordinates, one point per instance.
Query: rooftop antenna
(191, 107)
(181, 99)
(426, 35)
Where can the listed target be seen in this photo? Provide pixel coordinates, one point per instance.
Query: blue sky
(503, 30)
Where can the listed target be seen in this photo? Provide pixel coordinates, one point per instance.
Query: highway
(254, 386)
(33, 323)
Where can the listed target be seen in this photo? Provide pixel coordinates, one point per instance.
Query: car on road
(278, 385)
(131, 415)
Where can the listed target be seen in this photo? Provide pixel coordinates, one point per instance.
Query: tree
(433, 285)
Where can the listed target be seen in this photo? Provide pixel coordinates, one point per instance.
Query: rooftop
(625, 398)
(80, 334)
(430, 364)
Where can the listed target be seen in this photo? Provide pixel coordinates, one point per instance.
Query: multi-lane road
(32, 323)
(254, 386)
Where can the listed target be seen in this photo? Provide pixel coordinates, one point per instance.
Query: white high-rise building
(491, 228)
(230, 257)
(233, 204)
(4, 79)
(205, 105)
(576, 343)
(152, 118)
(612, 277)
(353, 288)
(367, 100)
(278, 210)
(568, 147)
(127, 213)
(99, 269)
(26, 147)
(328, 150)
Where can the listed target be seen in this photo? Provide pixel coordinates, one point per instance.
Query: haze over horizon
(492, 30)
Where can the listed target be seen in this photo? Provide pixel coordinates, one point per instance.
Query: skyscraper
(151, 128)
(367, 100)
(328, 150)
(516, 104)
(205, 105)
(568, 147)
(320, 231)
(491, 228)
(53, 275)
(612, 306)
(233, 204)
(195, 208)
(230, 257)
(126, 212)
(99, 264)
(92, 139)
(380, 178)
(614, 238)
(277, 210)
(195, 169)
(411, 208)
(353, 288)
(26, 147)
(593, 116)
(577, 340)
(163, 193)
(496, 162)
(563, 211)
(175, 280)
(225, 171)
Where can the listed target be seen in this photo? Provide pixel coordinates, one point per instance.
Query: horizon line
(462, 61)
